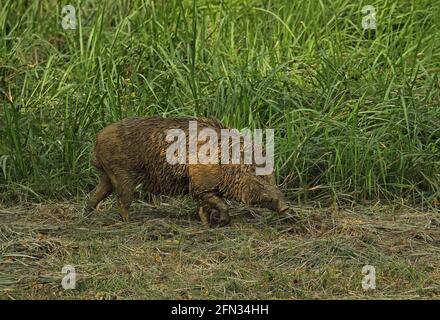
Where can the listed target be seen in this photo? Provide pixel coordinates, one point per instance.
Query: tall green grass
(356, 112)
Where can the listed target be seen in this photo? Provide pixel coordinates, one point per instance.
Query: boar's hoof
(211, 217)
(224, 220)
(218, 220)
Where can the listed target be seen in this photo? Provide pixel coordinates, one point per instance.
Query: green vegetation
(356, 112)
(356, 116)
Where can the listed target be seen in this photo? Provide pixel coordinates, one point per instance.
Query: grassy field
(163, 252)
(357, 145)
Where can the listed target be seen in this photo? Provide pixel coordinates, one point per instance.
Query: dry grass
(164, 252)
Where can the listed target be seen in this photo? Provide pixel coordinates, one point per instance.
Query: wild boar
(134, 151)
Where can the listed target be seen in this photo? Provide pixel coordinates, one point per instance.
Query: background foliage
(356, 112)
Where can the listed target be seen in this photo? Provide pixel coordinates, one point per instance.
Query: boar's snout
(274, 200)
(282, 206)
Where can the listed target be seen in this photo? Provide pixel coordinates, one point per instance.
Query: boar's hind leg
(101, 191)
(216, 203)
(124, 188)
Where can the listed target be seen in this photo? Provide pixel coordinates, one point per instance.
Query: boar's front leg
(212, 204)
(124, 188)
(203, 184)
(205, 213)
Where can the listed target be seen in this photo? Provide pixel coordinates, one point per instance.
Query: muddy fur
(133, 152)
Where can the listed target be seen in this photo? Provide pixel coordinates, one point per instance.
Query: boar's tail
(94, 159)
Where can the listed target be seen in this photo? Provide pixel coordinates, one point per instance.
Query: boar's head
(263, 192)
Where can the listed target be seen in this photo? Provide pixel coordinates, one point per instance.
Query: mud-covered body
(133, 151)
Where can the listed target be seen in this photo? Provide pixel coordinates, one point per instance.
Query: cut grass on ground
(164, 252)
